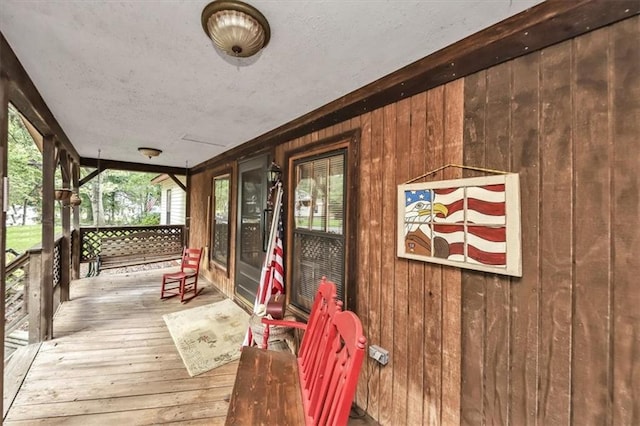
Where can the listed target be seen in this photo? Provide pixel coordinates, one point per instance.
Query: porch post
(65, 247)
(33, 295)
(4, 132)
(187, 218)
(75, 249)
(48, 207)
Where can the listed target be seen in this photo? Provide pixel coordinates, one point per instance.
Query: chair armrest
(285, 323)
(282, 323)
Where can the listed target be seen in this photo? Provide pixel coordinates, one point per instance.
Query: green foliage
(22, 238)
(118, 198)
(24, 169)
(150, 219)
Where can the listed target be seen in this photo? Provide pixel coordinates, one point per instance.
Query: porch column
(48, 207)
(65, 247)
(4, 132)
(75, 249)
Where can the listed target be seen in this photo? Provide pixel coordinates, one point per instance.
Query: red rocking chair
(186, 280)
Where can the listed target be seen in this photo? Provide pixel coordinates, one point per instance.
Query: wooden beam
(48, 205)
(24, 95)
(541, 26)
(4, 134)
(132, 167)
(180, 184)
(90, 176)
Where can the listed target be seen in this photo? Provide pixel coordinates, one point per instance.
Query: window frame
(348, 141)
(212, 221)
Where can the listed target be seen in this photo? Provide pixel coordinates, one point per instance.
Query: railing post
(37, 329)
(75, 254)
(65, 244)
(48, 181)
(76, 239)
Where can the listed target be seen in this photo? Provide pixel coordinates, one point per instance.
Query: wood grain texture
(401, 338)
(624, 75)
(4, 172)
(276, 401)
(364, 256)
(557, 236)
(525, 292)
(416, 285)
(114, 360)
(497, 368)
(388, 260)
(376, 249)
(451, 277)
(590, 361)
(473, 284)
(433, 332)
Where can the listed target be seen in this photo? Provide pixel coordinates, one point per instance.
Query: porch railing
(109, 247)
(19, 280)
(16, 279)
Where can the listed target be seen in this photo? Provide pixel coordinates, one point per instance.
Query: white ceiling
(118, 75)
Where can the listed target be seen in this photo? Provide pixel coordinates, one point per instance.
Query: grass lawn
(22, 238)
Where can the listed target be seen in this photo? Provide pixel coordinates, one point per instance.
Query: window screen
(220, 220)
(319, 232)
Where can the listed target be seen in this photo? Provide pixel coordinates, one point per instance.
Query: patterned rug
(208, 336)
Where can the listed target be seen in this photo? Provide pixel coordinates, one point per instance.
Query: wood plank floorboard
(113, 362)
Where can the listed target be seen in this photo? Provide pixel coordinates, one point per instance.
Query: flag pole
(265, 274)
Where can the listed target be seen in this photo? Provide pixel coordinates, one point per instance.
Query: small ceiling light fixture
(237, 28)
(149, 152)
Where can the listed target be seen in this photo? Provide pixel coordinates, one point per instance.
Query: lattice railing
(91, 238)
(57, 261)
(16, 276)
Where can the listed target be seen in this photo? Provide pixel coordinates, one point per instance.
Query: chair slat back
(191, 259)
(330, 359)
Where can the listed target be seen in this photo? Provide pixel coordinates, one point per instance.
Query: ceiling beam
(131, 167)
(24, 95)
(177, 181)
(541, 26)
(90, 176)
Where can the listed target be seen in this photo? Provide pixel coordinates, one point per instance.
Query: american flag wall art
(470, 223)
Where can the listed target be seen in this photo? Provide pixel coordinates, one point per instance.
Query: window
(168, 208)
(220, 220)
(319, 206)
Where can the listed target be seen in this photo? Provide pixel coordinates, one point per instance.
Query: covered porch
(116, 362)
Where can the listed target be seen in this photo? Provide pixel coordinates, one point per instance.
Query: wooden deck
(112, 361)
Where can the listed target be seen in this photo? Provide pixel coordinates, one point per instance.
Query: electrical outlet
(379, 354)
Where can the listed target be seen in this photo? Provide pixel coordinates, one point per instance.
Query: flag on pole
(272, 274)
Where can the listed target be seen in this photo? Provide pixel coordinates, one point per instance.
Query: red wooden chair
(186, 280)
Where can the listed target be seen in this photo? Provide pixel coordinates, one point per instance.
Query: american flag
(277, 264)
(475, 234)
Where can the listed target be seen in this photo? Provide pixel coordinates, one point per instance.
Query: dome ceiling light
(236, 28)
(149, 152)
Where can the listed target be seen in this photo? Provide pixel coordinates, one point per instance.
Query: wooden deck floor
(113, 361)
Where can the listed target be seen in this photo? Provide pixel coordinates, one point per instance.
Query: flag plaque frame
(471, 223)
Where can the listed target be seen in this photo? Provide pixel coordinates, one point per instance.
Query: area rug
(208, 336)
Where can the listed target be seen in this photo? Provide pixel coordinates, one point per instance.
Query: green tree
(25, 171)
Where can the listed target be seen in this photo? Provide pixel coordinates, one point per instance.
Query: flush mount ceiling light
(149, 152)
(237, 28)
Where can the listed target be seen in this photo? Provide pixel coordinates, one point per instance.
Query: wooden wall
(199, 232)
(559, 345)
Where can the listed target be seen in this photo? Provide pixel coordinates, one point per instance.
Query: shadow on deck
(113, 361)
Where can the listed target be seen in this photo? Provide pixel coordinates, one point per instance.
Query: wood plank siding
(559, 345)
